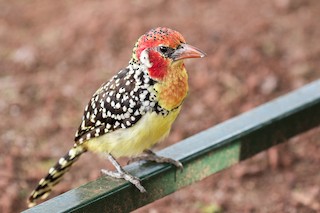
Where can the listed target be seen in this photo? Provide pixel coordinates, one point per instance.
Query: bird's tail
(54, 175)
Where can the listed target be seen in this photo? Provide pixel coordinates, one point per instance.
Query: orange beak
(187, 51)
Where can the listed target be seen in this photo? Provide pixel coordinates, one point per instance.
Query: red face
(160, 47)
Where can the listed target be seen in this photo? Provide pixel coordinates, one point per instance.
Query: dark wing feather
(116, 104)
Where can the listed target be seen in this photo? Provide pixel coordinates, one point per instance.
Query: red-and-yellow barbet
(134, 110)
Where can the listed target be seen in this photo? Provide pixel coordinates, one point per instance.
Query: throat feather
(173, 89)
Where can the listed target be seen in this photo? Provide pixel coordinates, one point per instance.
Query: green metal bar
(202, 155)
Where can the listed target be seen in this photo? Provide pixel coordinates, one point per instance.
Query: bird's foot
(122, 174)
(149, 155)
(126, 176)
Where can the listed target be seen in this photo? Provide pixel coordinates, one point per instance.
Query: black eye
(163, 49)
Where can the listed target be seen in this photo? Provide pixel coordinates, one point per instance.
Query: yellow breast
(149, 130)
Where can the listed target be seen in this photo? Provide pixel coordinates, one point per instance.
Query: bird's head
(163, 48)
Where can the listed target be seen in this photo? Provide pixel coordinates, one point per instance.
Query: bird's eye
(163, 49)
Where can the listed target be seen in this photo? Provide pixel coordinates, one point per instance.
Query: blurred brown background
(55, 54)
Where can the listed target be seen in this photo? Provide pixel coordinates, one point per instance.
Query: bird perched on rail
(134, 110)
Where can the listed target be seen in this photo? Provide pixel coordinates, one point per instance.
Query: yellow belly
(149, 130)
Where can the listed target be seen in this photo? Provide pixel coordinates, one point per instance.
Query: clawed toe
(126, 176)
(149, 155)
(122, 174)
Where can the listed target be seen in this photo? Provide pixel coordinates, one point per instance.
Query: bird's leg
(122, 174)
(149, 155)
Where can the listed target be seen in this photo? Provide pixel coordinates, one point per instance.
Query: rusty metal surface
(202, 155)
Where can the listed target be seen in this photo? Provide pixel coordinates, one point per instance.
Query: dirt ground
(55, 54)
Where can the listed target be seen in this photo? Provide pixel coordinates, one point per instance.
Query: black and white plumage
(119, 103)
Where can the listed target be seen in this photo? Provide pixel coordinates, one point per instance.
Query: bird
(132, 111)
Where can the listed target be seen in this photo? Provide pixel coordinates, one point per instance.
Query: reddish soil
(55, 54)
